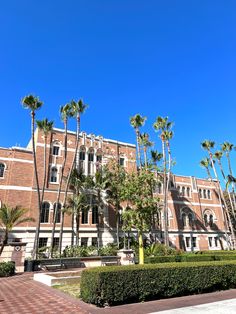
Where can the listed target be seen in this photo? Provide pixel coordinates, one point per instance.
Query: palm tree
(10, 218)
(76, 109)
(65, 112)
(137, 122)
(33, 103)
(162, 125)
(145, 143)
(46, 127)
(218, 155)
(208, 146)
(205, 163)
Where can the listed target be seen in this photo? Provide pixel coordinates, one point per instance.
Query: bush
(108, 250)
(189, 258)
(124, 284)
(158, 249)
(7, 269)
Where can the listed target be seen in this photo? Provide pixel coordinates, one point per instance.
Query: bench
(110, 260)
(52, 266)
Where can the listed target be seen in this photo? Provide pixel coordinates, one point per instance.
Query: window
(43, 242)
(187, 241)
(216, 241)
(55, 150)
(187, 217)
(84, 242)
(91, 155)
(204, 194)
(45, 212)
(82, 155)
(209, 194)
(84, 216)
(184, 220)
(183, 191)
(208, 218)
(53, 175)
(211, 220)
(55, 243)
(94, 241)
(99, 158)
(95, 214)
(188, 191)
(58, 216)
(159, 188)
(122, 161)
(210, 241)
(194, 242)
(190, 219)
(2, 169)
(200, 193)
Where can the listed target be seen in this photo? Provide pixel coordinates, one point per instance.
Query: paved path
(21, 295)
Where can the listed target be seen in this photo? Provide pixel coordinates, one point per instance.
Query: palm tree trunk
(45, 168)
(4, 242)
(70, 171)
(221, 196)
(166, 236)
(117, 225)
(59, 188)
(36, 240)
(141, 249)
(168, 183)
(77, 229)
(61, 230)
(145, 156)
(233, 186)
(138, 149)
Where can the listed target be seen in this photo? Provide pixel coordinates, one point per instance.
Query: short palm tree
(33, 103)
(10, 218)
(145, 142)
(137, 122)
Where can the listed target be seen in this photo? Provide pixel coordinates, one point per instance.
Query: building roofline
(97, 137)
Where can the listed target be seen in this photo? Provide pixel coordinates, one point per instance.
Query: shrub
(109, 250)
(157, 249)
(123, 284)
(7, 269)
(189, 258)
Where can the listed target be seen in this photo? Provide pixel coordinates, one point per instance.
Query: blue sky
(169, 58)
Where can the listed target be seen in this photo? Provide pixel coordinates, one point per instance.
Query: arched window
(183, 191)
(45, 212)
(200, 193)
(178, 188)
(187, 217)
(209, 194)
(2, 169)
(184, 219)
(58, 216)
(90, 161)
(94, 214)
(53, 177)
(82, 153)
(204, 194)
(84, 217)
(208, 218)
(188, 191)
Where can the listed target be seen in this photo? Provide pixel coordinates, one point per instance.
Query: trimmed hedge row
(7, 269)
(124, 284)
(189, 258)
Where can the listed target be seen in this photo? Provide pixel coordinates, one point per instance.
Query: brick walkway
(21, 295)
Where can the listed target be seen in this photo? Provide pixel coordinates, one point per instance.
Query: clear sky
(169, 58)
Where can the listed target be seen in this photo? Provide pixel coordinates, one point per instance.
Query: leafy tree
(33, 104)
(10, 218)
(137, 192)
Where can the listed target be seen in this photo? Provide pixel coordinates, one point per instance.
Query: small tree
(10, 218)
(137, 192)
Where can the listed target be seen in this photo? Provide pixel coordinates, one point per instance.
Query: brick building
(196, 219)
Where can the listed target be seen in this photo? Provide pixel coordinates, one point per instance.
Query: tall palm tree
(137, 122)
(65, 112)
(46, 127)
(218, 155)
(76, 110)
(227, 148)
(162, 125)
(33, 103)
(10, 218)
(208, 146)
(145, 142)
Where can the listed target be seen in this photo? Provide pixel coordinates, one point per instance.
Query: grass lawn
(73, 289)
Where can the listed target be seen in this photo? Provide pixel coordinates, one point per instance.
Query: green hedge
(190, 258)
(7, 269)
(124, 284)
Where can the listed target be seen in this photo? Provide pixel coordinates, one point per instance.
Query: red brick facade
(187, 208)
